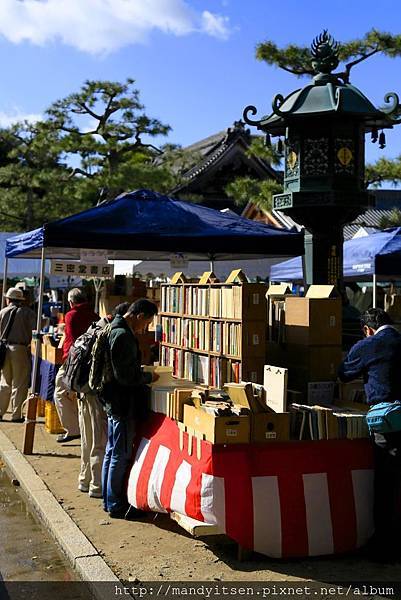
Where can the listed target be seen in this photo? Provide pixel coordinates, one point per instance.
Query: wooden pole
(30, 421)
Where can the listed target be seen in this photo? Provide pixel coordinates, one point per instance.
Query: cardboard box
(321, 362)
(252, 369)
(270, 427)
(54, 355)
(218, 430)
(253, 340)
(311, 321)
(242, 394)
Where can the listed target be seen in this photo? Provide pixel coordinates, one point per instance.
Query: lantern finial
(324, 51)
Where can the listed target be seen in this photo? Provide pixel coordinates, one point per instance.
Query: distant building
(364, 224)
(222, 158)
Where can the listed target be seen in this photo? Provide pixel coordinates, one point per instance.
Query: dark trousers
(387, 506)
(117, 459)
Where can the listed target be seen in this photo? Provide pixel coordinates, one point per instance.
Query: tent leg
(29, 433)
(374, 291)
(3, 299)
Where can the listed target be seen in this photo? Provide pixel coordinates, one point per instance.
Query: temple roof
(220, 151)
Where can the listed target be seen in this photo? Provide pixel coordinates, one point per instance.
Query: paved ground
(157, 549)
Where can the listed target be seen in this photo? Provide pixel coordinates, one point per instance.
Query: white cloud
(100, 26)
(8, 119)
(215, 25)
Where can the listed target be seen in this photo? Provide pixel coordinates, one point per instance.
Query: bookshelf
(214, 333)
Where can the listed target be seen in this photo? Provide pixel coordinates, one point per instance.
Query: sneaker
(93, 494)
(132, 514)
(83, 488)
(66, 438)
(1, 417)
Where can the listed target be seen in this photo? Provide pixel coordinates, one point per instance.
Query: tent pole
(211, 262)
(374, 290)
(3, 299)
(29, 433)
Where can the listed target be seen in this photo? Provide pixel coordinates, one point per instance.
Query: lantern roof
(326, 96)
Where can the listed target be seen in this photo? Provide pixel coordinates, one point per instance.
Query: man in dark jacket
(124, 397)
(377, 358)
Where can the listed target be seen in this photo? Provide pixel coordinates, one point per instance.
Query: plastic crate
(52, 421)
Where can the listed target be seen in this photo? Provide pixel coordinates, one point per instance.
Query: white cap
(14, 294)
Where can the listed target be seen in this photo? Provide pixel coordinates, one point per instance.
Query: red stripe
(238, 494)
(342, 504)
(193, 499)
(294, 533)
(144, 476)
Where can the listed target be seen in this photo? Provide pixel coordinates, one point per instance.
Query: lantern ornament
(323, 126)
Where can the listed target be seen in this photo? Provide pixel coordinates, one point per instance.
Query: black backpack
(78, 364)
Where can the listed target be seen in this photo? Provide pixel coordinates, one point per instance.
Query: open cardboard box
(218, 430)
(316, 319)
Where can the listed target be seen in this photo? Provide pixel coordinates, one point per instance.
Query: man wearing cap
(16, 369)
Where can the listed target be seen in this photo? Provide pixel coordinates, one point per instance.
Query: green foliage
(100, 129)
(34, 182)
(297, 59)
(384, 169)
(248, 189)
(104, 125)
(393, 220)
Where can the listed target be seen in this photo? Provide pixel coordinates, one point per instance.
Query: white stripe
(136, 470)
(266, 516)
(213, 501)
(179, 493)
(318, 514)
(362, 483)
(156, 479)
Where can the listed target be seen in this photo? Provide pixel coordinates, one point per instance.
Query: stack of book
(213, 332)
(326, 423)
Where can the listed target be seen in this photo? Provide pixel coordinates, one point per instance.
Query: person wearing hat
(15, 374)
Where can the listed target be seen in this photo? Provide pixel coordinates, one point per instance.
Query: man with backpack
(377, 359)
(125, 397)
(16, 324)
(77, 321)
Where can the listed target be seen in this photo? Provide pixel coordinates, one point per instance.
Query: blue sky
(193, 61)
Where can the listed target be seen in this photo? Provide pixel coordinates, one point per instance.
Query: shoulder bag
(3, 341)
(384, 417)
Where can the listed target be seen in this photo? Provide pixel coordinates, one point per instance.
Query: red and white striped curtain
(289, 499)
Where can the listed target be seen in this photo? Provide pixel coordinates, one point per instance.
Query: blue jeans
(116, 461)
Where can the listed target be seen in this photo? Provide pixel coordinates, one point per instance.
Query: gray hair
(76, 296)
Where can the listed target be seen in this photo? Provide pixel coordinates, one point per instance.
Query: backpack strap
(9, 324)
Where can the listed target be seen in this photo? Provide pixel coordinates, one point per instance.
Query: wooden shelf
(249, 302)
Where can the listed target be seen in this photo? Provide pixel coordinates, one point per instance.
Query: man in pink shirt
(77, 321)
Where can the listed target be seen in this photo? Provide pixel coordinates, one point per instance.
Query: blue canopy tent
(145, 225)
(377, 255)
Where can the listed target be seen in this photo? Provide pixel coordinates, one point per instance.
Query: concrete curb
(83, 556)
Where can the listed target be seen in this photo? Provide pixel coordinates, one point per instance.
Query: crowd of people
(105, 417)
(104, 420)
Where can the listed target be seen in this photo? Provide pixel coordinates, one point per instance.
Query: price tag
(231, 433)
(255, 298)
(332, 321)
(255, 339)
